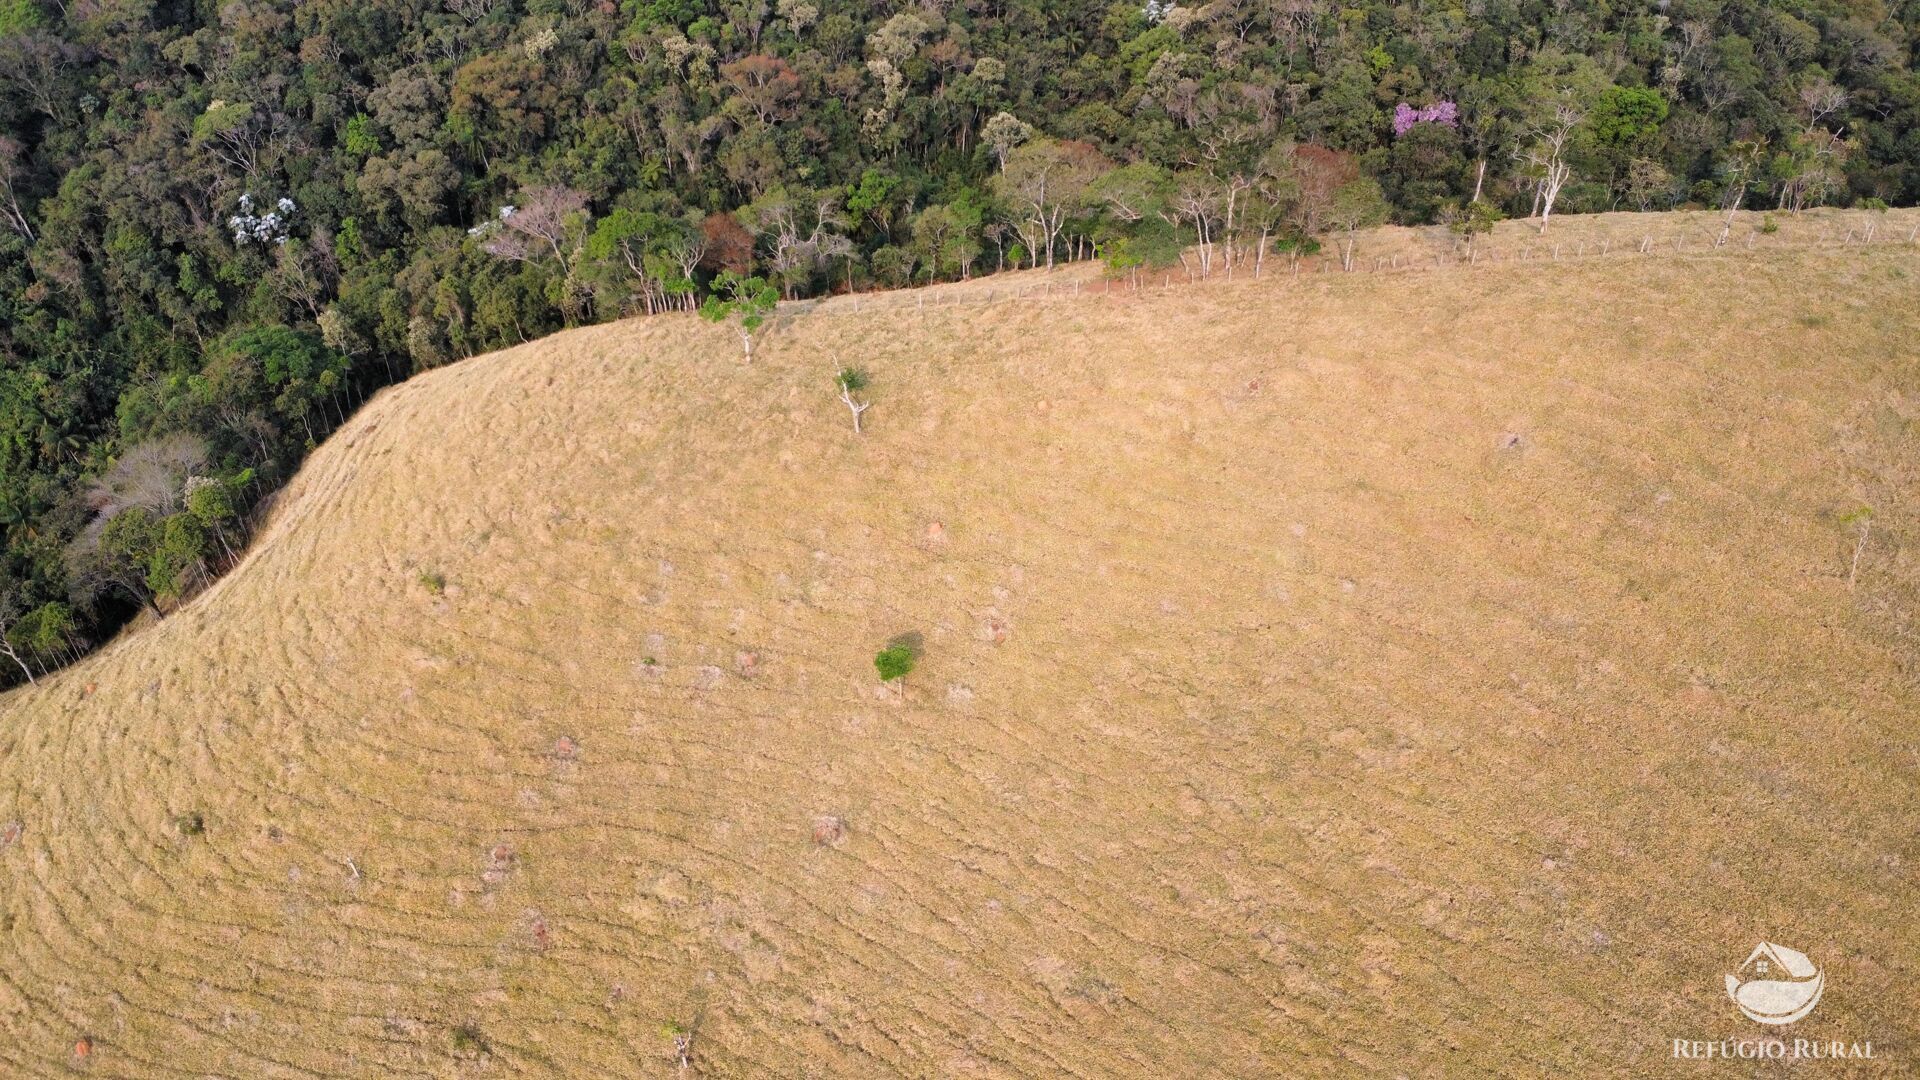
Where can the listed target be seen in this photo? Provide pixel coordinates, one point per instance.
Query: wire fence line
(1283, 268)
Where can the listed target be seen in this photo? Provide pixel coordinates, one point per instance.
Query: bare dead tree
(1546, 158)
(1742, 161)
(11, 210)
(470, 10)
(1865, 519)
(12, 605)
(538, 226)
(1821, 99)
(851, 381)
(151, 475)
(33, 63)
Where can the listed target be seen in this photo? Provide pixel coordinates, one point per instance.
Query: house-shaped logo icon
(1776, 985)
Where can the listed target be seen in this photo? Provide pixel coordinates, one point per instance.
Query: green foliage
(359, 138)
(211, 503)
(1626, 116)
(192, 823)
(132, 535)
(1359, 204)
(178, 552)
(873, 195)
(468, 1040)
(745, 301)
(19, 16)
(222, 118)
(433, 581)
(1476, 219)
(894, 662)
(851, 380)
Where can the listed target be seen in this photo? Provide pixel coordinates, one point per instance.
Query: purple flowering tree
(1405, 116)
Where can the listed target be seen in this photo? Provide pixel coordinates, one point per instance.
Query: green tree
(895, 662)
(1357, 204)
(177, 562)
(1473, 220)
(745, 302)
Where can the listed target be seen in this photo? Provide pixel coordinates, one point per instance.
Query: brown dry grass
(1281, 712)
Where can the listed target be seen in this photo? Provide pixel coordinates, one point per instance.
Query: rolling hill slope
(1442, 674)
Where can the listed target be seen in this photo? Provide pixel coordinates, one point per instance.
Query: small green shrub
(191, 824)
(1768, 225)
(468, 1040)
(893, 662)
(433, 581)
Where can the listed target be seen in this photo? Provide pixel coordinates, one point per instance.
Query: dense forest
(223, 223)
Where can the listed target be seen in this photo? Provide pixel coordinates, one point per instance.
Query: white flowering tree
(271, 226)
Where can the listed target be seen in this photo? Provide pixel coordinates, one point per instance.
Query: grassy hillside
(1451, 673)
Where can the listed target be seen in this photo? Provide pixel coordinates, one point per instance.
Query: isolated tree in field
(849, 382)
(1738, 166)
(1863, 518)
(897, 659)
(1475, 219)
(743, 301)
(1357, 205)
(894, 662)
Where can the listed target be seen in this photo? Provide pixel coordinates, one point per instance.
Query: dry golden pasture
(1441, 674)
